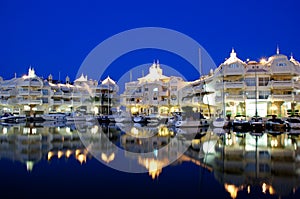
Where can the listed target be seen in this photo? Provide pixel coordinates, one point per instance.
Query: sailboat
(221, 121)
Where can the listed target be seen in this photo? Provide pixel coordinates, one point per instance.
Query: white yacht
(75, 116)
(54, 117)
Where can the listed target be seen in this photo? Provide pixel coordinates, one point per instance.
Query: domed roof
(233, 58)
(109, 81)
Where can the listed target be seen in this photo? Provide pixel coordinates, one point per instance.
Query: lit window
(155, 89)
(281, 64)
(233, 66)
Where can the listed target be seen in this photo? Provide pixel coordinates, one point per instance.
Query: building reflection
(30, 143)
(242, 163)
(268, 163)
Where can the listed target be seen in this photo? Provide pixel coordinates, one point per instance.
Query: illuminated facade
(270, 86)
(31, 95)
(154, 93)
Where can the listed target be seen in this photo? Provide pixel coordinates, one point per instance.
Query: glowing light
(264, 188)
(94, 130)
(248, 189)
(134, 131)
(50, 155)
(134, 109)
(232, 190)
(4, 130)
(29, 165)
(154, 166)
(274, 143)
(81, 158)
(155, 152)
(26, 108)
(68, 130)
(77, 152)
(59, 154)
(68, 153)
(263, 60)
(106, 158)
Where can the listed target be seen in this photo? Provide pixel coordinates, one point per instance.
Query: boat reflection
(243, 163)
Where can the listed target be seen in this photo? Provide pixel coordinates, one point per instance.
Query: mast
(256, 93)
(223, 96)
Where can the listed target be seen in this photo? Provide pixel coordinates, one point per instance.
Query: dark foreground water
(129, 161)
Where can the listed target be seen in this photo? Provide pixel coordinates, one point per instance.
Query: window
(146, 89)
(173, 97)
(250, 81)
(154, 98)
(155, 89)
(263, 94)
(233, 65)
(250, 95)
(45, 92)
(263, 81)
(282, 64)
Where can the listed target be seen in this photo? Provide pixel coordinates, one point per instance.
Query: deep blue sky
(56, 36)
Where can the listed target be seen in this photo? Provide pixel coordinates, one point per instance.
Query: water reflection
(243, 163)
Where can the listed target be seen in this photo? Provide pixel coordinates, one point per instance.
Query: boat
(122, 117)
(75, 116)
(54, 117)
(240, 123)
(192, 123)
(195, 120)
(10, 118)
(220, 122)
(139, 119)
(276, 124)
(293, 123)
(257, 125)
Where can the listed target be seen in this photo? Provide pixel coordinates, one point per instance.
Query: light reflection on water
(240, 162)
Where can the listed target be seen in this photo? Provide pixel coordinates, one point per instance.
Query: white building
(32, 95)
(154, 93)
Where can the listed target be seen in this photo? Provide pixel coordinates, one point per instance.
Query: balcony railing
(279, 97)
(234, 85)
(35, 93)
(5, 93)
(30, 102)
(235, 97)
(281, 84)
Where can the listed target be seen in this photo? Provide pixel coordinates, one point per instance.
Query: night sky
(55, 37)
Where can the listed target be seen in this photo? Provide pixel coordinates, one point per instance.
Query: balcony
(35, 93)
(58, 94)
(76, 102)
(28, 83)
(234, 71)
(279, 97)
(234, 85)
(235, 97)
(5, 93)
(281, 84)
(30, 102)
